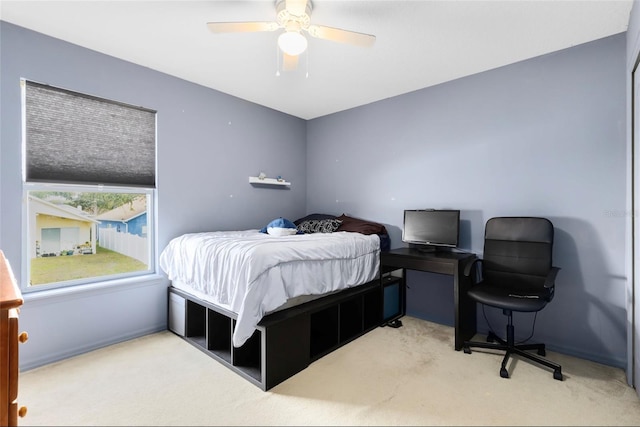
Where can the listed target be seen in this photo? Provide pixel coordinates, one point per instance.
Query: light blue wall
(209, 143)
(542, 137)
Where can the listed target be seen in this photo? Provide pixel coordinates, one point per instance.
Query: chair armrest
(470, 265)
(550, 281)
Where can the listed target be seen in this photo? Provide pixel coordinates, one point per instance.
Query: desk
(444, 262)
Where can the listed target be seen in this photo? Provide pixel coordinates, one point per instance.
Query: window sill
(82, 291)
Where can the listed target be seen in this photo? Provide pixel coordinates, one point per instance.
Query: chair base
(511, 348)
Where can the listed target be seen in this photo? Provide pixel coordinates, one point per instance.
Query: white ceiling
(419, 43)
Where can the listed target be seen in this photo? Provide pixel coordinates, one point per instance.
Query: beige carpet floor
(406, 376)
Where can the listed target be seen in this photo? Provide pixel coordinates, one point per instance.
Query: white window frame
(28, 239)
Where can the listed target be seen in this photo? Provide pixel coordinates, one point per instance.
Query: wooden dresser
(10, 301)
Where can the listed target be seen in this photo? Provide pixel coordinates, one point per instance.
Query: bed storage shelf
(285, 342)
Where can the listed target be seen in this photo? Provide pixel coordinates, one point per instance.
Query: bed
(267, 302)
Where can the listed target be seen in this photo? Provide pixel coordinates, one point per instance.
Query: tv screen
(431, 227)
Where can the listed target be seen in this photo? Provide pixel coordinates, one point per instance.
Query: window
(89, 183)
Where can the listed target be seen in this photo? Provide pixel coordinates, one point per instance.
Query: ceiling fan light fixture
(292, 43)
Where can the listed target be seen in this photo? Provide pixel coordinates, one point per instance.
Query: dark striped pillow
(319, 226)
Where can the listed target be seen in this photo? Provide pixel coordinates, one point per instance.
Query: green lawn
(63, 268)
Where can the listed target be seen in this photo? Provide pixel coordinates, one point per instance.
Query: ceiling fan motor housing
(290, 19)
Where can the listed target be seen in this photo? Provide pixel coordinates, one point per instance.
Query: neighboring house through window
(89, 182)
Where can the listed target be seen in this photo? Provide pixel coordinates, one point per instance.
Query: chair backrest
(518, 252)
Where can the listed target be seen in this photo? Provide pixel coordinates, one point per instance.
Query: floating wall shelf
(267, 181)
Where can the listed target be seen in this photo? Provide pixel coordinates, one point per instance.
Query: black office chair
(515, 274)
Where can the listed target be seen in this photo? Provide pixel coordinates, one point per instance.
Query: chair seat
(508, 299)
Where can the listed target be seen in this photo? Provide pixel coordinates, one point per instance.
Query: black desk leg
(465, 308)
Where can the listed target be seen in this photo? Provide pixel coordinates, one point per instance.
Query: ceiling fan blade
(289, 62)
(296, 7)
(341, 36)
(241, 27)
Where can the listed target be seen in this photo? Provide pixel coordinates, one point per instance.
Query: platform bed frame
(285, 342)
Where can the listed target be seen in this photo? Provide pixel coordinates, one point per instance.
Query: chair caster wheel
(504, 373)
(557, 375)
(542, 352)
(490, 338)
(467, 350)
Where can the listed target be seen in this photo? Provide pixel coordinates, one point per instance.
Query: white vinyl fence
(127, 244)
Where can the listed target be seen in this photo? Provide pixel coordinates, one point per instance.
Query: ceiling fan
(294, 16)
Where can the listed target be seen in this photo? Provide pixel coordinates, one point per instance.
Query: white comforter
(253, 273)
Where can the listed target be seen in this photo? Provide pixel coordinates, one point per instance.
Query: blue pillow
(280, 227)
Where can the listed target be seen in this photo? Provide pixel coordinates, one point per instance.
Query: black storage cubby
(219, 334)
(249, 353)
(247, 357)
(196, 326)
(350, 319)
(372, 310)
(324, 331)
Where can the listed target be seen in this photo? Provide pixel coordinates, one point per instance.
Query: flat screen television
(431, 229)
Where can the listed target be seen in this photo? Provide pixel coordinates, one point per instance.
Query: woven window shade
(77, 138)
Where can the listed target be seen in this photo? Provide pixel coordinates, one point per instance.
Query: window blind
(77, 138)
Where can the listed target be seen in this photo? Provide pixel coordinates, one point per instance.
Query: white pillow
(277, 231)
